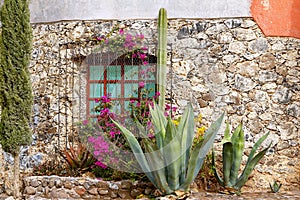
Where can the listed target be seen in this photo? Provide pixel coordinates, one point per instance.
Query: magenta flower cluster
(125, 43)
(105, 117)
(101, 148)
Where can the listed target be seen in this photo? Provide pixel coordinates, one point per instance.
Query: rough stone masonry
(218, 64)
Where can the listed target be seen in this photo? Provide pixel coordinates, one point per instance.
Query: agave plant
(232, 157)
(79, 159)
(275, 187)
(170, 162)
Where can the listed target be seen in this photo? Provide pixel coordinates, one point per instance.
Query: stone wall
(53, 187)
(218, 64)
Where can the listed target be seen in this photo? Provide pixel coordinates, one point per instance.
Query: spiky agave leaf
(137, 151)
(238, 143)
(227, 155)
(157, 166)
(275, 187)
(251, 163)
(256, 146)
(172, 155)
(159, 121)
(200, 151)
(186, 134)
(218, 177)
(227, 137)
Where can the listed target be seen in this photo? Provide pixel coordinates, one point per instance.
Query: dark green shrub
(15, 86)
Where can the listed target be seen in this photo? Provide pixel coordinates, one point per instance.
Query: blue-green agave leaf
(249, 168)
(186, 133)
(142, 129)
(256, 145)
(219, 179)
(157, 166)
(159, 121)
(238, 142)
(227, 155)
(137, 151)
(199, 152)
(172, 155)
(226, 134)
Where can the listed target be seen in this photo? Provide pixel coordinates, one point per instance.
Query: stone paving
(290, 195)
(256, 195)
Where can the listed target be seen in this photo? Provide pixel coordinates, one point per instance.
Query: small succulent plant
(233, 148)
(275, 187)
(79, 158)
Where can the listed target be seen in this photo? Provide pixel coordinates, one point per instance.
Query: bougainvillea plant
(107, 144)
(123, 44)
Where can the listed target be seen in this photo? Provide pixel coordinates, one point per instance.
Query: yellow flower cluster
(199, 118)
(176, 122)
(200, 131)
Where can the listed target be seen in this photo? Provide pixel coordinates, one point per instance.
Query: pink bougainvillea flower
(85, 122)
(99, 38)
(152, 104)
(145, 63)
(112, 134)
(96, 100)
(142, 72)
(105, 99)
(168, 107)
(100, 164)
(121, 32)
(143, 56)
(142, 36)
(151, 136)
(128, 38)
(103, 112)
(174, 108)
(149, 123)
(141, 84)
(144, 48)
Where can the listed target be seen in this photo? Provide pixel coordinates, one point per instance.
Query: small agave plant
(170, 162)
(232, 157)
(275, 187)
(79, 159)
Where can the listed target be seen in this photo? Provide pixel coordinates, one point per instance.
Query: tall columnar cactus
(15, 85)
(232, 157)
(162, 56)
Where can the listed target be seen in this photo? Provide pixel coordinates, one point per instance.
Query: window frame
(103, 60)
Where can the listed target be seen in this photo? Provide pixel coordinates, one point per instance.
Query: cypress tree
(15, 85)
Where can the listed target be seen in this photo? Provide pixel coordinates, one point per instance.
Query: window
(118, 79)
